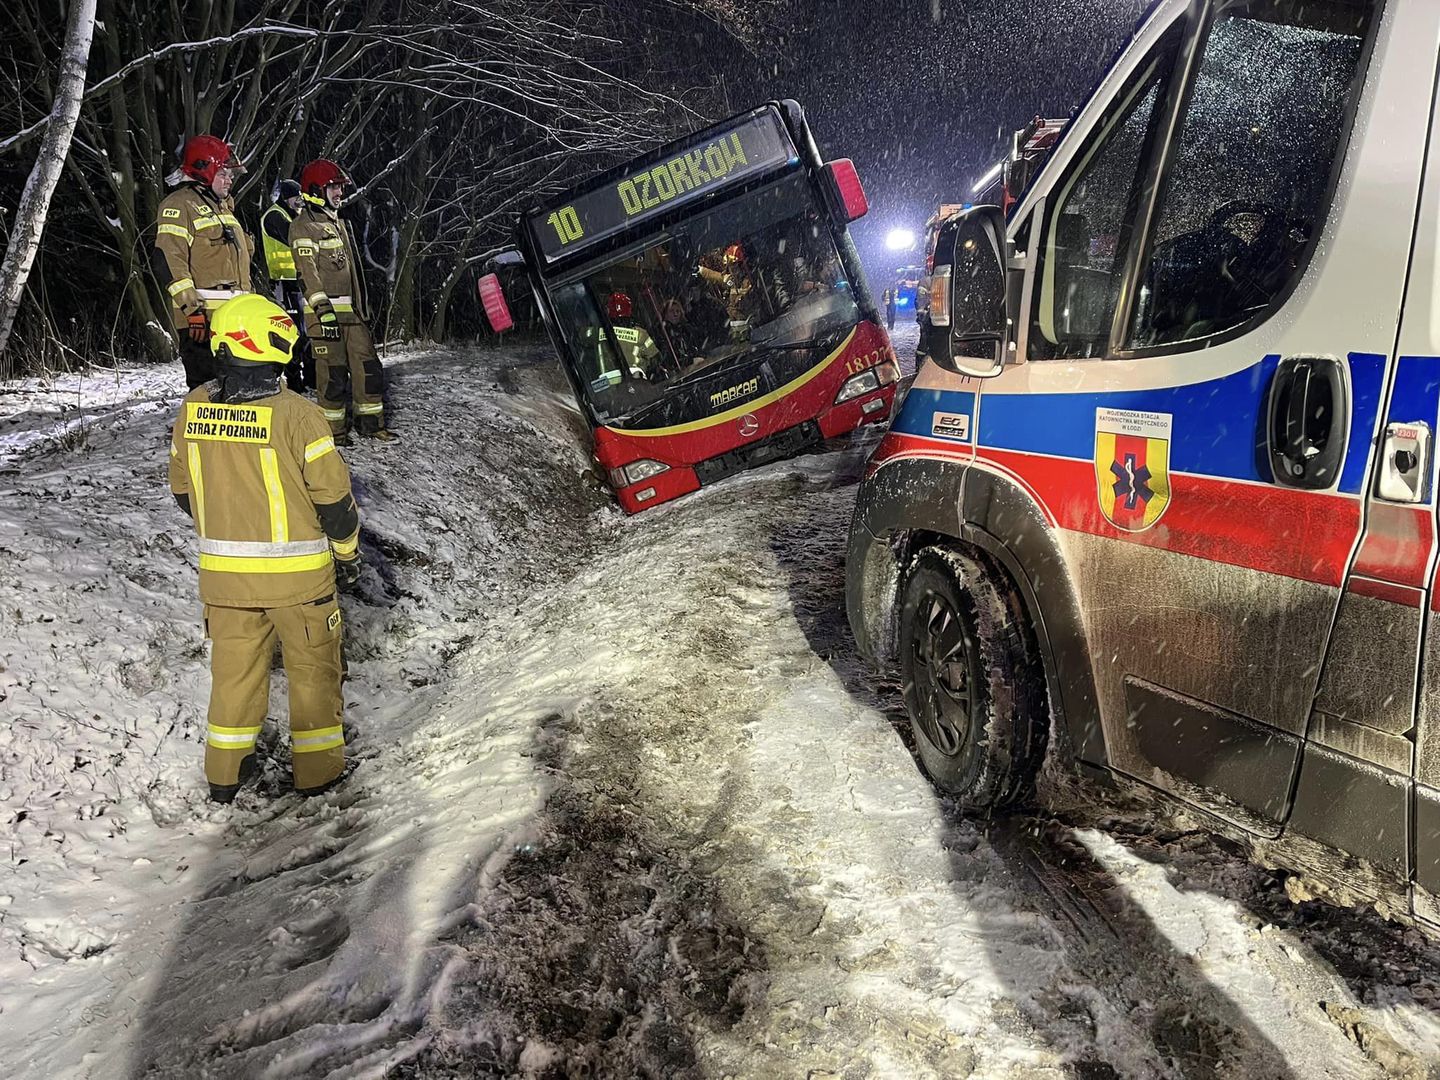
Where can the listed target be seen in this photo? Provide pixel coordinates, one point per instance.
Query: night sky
(923, 94)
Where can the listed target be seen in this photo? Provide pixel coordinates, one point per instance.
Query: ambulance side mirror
(969, 328)
(492, 299)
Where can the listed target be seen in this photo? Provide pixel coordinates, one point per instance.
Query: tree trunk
(54, 149)
(459, 267)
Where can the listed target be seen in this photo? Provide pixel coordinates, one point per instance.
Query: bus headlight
(882, 374)
(636, 471)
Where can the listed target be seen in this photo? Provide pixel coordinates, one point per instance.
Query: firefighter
(280, 267)
(255, 466)
(735, 278)
(201, 255)
(334, 307)
(637, 347)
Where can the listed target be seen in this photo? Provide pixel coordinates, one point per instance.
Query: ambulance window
(1082, 253)
(1252, 166)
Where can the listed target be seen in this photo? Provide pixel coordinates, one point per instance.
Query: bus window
(761, 273)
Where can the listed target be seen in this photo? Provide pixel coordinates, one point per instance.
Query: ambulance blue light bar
(712, 160)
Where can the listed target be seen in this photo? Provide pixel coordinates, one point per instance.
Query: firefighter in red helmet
(333, 299)
(637, 349)
(201, 255)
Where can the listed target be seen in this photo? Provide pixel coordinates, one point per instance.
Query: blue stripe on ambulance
(1415, 398)
(917, 415)
(1226, 437)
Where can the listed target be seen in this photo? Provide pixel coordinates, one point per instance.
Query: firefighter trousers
(242, 645)
(300, 372)
(195, 358)
(352, 361)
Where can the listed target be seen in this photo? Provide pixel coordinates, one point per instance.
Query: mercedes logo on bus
(748, 425)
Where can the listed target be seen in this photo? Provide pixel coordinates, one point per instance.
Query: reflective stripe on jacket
(325, 261)
(637, 348)
(264, 481)
(202, 255)
(274, 239)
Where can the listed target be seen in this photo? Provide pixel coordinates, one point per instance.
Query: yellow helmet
(252, 330)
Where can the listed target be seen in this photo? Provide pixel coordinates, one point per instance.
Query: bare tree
(451, 115)
(54, 149)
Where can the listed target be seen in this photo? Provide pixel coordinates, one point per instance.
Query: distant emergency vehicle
(1003, 185)
(708, 305)
(1168, 475)
(907, 284)
(947, 212)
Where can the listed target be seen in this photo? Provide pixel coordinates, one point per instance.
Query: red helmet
(319, 175)
(620, 306)
(205, 155)
(735, 253)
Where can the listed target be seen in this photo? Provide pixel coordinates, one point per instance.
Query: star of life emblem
(1132, 466)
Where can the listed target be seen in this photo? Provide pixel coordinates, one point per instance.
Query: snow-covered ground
(627, 805)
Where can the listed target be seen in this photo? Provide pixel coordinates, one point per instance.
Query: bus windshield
(718, 309)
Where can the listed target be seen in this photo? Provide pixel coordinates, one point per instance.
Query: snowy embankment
(104, 670)
(628, 805)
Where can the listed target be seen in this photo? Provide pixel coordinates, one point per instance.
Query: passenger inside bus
(682, 347)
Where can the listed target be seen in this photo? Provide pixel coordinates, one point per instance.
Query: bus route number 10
(567, 225)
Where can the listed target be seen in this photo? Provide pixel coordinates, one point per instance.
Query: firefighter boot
(225, 793)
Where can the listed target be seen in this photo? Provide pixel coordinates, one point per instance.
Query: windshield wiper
(644, 410)
(803, 343)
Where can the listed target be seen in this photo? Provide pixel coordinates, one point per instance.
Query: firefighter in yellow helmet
(201, 255)
(256, 467)
(325, 258)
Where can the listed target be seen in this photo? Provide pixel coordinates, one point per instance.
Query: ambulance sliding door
(1355, 790)
(1391, 718)
(1207, 338)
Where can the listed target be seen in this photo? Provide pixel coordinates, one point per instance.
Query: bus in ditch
(708, 305)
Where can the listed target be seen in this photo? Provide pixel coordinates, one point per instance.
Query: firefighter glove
(329, 327)
(347, 575)
(199, 328)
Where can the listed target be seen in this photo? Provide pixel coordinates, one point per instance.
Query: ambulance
(1162, 499)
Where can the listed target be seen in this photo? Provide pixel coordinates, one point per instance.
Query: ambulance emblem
(1132, 466)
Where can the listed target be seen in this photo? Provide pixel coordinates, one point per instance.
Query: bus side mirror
(846, 183)
(969, 327)
(492, 299)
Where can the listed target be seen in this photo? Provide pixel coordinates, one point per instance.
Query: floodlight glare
(900, 239)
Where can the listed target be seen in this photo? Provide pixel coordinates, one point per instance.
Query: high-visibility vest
(637, 348)
(279, 259)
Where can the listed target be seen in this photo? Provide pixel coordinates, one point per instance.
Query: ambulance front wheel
(973, 682)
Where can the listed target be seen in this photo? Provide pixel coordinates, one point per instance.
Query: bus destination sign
(751, 147)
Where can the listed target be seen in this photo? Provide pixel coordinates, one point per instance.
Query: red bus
(708, 306)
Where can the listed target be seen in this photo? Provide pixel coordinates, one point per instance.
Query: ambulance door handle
(1308, 417)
